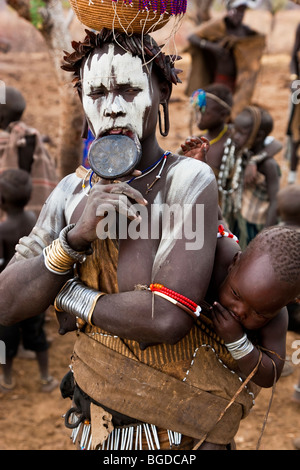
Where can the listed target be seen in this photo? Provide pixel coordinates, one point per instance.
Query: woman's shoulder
(189, 167)
(187, 178)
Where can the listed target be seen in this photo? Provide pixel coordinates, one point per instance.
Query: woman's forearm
(27, 288)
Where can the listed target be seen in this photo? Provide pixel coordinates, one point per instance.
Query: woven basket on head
(131, 16)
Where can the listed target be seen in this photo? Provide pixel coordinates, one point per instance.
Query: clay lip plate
(113, 156)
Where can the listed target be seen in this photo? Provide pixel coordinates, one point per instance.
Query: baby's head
(15, 189)
(264, 278)
(251, 127)
(212, 105)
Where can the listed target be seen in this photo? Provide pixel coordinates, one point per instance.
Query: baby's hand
(226, 325)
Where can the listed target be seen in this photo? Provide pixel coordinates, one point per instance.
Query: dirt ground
(32, 420)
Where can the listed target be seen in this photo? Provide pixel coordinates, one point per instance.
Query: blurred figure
(198, 12)
(15, 192)
(4, 45)
(212, 107)
(261, 175)
(228, 52)
(288, 204)
(22, 147)
(293, 130)
(288, 208)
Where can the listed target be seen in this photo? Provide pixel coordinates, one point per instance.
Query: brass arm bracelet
(59, 257)
(56, 260)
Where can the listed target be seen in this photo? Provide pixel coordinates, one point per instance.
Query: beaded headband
(198, 99)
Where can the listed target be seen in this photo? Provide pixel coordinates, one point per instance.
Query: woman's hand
(67, 322)
(105, 197)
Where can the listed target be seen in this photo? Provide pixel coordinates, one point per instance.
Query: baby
(250, 314)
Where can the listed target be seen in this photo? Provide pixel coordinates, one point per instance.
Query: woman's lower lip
(127, 132)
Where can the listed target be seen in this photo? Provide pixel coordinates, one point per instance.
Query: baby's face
(251, 292)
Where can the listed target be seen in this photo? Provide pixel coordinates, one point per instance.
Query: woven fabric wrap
(131, 16)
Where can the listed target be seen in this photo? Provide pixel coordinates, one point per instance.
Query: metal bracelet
(240, 348)
(77, 299)
(56, 260)
(78, 256)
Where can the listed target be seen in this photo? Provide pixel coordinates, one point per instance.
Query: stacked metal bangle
(56, 259)
(77, 299)
(240, 348)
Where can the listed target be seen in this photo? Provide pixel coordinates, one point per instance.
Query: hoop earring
(164, 132)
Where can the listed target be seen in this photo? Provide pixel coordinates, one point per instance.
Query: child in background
(15, 192)
(244, 158)
(252, 128)
(212, 111)
(23, 147)
(288, 206)
(212, 107)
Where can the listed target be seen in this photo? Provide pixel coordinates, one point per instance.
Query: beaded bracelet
(240, 348)
(177, 299)
(221, 233)
(259, 158)
(77, 299)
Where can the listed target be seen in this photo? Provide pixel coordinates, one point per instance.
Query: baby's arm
(272, 344)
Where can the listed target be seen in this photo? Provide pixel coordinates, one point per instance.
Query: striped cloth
(199, 358)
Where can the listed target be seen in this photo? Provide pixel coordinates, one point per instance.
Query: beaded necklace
(230, 165)
(150, 168)
(219, 136)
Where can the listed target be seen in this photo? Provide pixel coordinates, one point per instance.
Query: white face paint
(115, 92)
